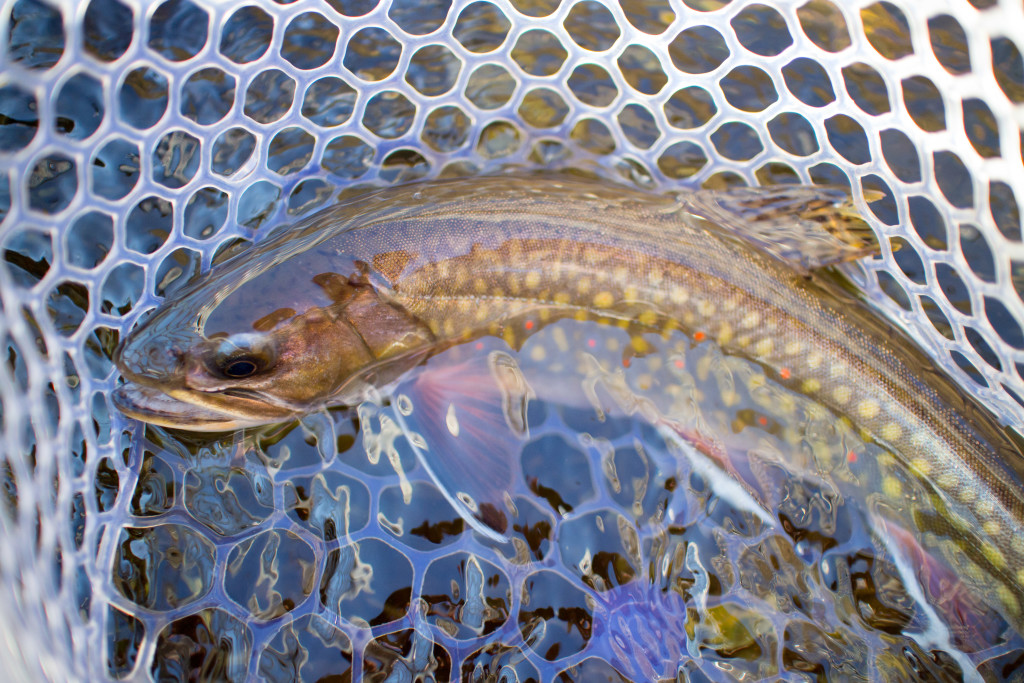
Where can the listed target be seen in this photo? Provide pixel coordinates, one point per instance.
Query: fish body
(357, 296)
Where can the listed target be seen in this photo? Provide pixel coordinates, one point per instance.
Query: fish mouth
(158, 407)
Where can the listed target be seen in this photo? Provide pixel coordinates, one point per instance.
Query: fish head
(248, 347)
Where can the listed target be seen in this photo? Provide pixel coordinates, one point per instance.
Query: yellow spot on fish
(1008, 599)
(678, 295)
(532, 279)
(892, 431)
(630, 294)
(922, 467)
(509, 336)
(612, 344)
(544, 314)
(706, 308)
(448, 327)
(480, 285)
(561, 340)
(583, 285)
(604, 299)
(580, 315)
(640, 344)
(647, 317)
(730, 305)
(751, 320)
(946, 481)
(1020, 576)
(725, 333)
(993, 555)
(992, 527)
(793, 348)
(814, 360)
(764, 347)
(755, 382)
(670, 327)
(562, 298)
(891, 487)
(743, 341)
(730, 398)
(810, 386)
(868, 409)
(838, 369)
(538, 353)
(967, 494)
(986, 508)
(841, 394)
(620, 274)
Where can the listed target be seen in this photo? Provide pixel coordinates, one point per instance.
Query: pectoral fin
(471, 412)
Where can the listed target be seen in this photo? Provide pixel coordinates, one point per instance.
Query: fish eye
(237, 368)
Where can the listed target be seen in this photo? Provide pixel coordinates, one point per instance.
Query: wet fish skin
(358, 294)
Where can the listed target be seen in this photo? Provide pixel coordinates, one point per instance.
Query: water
(326, 549)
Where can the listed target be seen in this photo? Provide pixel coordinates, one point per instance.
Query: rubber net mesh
(138, 139)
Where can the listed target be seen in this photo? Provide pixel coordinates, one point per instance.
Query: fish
(355, 300)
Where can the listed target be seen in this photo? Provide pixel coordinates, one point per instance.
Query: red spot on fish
(479, 346)
(784, 373)
(763, 421)
(591, 343)
(529, 324)
(625, 362)
(699, 336)
(680, 364)
(851, 457)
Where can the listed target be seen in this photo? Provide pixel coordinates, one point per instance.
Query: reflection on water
(668, 511)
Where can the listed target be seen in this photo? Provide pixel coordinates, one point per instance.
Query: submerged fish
(356, 297)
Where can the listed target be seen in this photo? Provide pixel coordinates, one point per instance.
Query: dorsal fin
(807, 227)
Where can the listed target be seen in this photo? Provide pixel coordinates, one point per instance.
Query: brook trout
(356, 296)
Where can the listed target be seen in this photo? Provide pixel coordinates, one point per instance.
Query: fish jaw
(158, 408)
